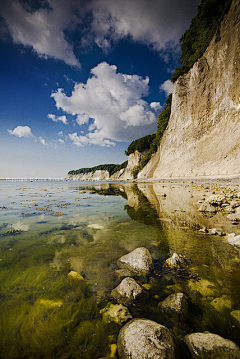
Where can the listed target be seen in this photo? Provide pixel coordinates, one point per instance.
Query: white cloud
(62, 119)
(167, 87)
(42, 141)
(22, 131)
(42, 29)
(155, 106)
(158, 25)
(111, 104)
(26, 132)
(60, 140)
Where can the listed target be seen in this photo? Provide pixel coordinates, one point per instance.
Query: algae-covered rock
(175, 304)
(236, 315)
(176, 261)
(128, 291)
(75, 276)
(48, 303)
(138, 261)
(116, 313)
(143, 338)
(221, 303)
(211, 346)
(204, 287)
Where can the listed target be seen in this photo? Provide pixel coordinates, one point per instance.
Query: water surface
(48, 229)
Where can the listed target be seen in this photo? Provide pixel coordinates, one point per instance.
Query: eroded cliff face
(203, 134)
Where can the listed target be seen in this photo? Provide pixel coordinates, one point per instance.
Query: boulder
(128, 291)
(234, 240)
(236, 315)
(207, 207)
(176, 261)
(138, 261)
(143, 338)
(175, 304)
(211, 346)
(216, 199)
(116, 313)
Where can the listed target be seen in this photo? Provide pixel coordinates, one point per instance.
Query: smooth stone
(211, 346)
(234, 240)
(175, 304)
(144, 338)
(128, 290)
(139, 261)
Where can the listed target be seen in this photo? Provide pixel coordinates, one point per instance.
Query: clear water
(48, 229)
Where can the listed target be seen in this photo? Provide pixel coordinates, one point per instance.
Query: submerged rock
(236, 314)
(221, 303)
(138, 261)
(204, 287)
(175, 304)
(116, 313)
(207, 207)
(176, 261)
(75, 276)
(211, 346)
(128, 291)
(234, 240)
(143, 338)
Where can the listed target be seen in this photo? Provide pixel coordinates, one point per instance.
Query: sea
(50, 228)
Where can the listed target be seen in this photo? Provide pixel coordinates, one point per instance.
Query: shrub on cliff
(196, 39)
(141, 144)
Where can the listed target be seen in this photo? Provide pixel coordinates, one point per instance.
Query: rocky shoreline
(145, 338)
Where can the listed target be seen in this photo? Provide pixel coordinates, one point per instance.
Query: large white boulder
(143, 338)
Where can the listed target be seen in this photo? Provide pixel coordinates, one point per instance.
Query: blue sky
(81, 79)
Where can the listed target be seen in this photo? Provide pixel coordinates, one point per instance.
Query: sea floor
(48, 229)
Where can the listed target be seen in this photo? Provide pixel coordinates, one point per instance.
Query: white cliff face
(134, 160)
(98, 175)
(203, 134)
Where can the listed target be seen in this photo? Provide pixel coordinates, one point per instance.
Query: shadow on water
(46, 314)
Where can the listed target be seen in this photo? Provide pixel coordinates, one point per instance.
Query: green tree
(196, 39)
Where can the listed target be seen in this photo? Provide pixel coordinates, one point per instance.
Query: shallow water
(48, 229)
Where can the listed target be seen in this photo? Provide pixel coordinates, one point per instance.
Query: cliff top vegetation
(140, 145)
(111, 168)
(196, 39)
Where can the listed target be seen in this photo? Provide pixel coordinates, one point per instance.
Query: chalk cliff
(134, 160)
(203, 133)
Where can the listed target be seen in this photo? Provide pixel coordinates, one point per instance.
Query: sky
(81, 79)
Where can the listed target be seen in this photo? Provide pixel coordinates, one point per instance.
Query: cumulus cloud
(42, 29)
(156, 24)
(26, 132)
(167, 87)
(111, 104)
(22, 131)
(103, 22)
(54, 118)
